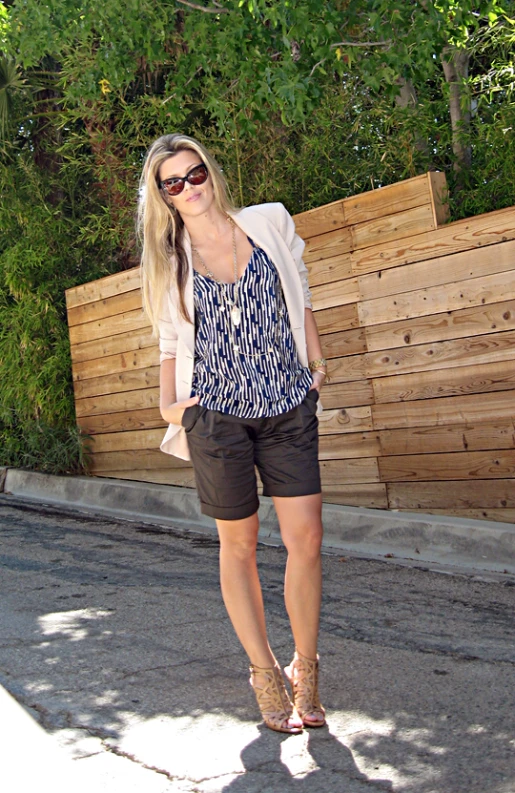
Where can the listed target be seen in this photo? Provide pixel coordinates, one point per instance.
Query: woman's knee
(238, 539)
(305, 540)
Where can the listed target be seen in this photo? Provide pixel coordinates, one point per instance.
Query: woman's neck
(206, 228)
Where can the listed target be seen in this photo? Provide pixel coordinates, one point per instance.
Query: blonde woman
(241, 368)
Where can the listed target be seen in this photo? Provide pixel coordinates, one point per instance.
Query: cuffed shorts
(225, 451)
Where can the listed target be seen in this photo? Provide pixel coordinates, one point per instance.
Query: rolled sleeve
(296, 245)
(167, 334)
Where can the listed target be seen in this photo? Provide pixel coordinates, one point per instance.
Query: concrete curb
(475, 544)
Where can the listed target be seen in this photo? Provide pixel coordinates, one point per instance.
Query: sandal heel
(273, 700)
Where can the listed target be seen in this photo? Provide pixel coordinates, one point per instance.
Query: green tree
(302, 102)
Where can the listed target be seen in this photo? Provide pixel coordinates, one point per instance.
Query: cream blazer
(272, 228)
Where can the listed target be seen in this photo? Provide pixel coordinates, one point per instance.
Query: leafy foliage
(299, 101)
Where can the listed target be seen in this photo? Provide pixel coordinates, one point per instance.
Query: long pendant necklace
(235, 308)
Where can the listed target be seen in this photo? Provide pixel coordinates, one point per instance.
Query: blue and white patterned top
(263, 378)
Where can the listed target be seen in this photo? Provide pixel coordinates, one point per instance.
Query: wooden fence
(417, 318)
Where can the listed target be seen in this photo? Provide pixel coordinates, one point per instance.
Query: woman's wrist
(318, 378)
(318, 369)
(318, 364)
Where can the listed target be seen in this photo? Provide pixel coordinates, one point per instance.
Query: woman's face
(194, 200)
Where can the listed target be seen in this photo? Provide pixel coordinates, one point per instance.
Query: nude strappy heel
(273, 700)
(303, 676)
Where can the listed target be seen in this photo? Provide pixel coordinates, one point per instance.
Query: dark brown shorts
(226, 449)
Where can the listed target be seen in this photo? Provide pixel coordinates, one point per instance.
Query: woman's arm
(314, 348)
(171, 411)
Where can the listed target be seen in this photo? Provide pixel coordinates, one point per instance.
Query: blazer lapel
(267, 237)
(186, 330)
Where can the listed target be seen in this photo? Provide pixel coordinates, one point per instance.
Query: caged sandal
(273, 700)
(303, 676)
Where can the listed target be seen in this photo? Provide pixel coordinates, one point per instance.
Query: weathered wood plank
(320, 220)
(363, 469)
(113, 384)
(470, 409)
(491, 348)
(462, 235)
(347, 445)
(117, 402)
(342, 395)
(127, 441)
(102, 288)
(111, 364)
(388, 200)
(439, 197)
(392, 227)
(496, 464)
(148, 418)
(435, 300)
(130, 460)
(474, 321)
(327, 246)
(371, 495)
(333, 320)
(344, 370)
(111, 326)
(449, 438)
(471, 494)
(346, 342)
(325, 271)
(338, 293)
(123, 342)
(101, 309)
(449, 269)
(357, 419)
(446, 382)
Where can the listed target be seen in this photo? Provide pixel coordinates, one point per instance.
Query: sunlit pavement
(125, 674)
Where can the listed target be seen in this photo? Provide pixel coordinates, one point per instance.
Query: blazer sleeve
(296, 246)
(167, 333)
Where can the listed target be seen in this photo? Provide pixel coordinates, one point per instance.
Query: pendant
(236, 315)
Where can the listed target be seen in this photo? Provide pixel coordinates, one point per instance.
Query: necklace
(235, 308)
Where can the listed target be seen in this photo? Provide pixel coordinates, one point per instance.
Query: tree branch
(316, 66)
(361, 44)
(205, 9)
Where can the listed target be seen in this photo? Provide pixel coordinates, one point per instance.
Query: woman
(241, 369)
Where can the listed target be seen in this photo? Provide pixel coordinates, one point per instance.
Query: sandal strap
(303, 675)
(272, 698)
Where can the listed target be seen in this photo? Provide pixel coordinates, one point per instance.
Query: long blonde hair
(161, 230)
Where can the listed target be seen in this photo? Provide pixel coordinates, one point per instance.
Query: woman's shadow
(322, 763)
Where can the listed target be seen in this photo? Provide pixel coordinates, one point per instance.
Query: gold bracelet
(313, 365)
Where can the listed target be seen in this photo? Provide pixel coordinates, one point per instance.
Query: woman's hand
(318, 380)
(173, 413)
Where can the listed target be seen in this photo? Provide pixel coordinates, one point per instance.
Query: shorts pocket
(312, 398)
(190, 416)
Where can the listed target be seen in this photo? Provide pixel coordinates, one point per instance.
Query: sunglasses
(175, 184)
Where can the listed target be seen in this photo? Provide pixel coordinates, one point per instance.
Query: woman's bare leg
(300, 521)
(241, 589)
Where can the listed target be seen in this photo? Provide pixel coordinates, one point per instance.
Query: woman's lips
(194, 197)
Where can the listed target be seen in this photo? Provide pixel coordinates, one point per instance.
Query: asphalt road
(114, 638)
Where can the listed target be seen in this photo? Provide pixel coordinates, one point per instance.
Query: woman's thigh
(222, 454)
(287, 452)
